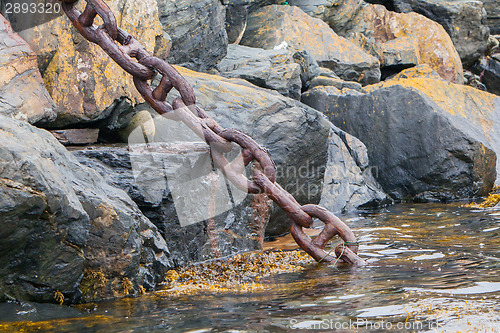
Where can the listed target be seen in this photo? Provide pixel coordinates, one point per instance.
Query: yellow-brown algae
(240, 273)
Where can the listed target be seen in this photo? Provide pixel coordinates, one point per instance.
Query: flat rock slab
(77, 136)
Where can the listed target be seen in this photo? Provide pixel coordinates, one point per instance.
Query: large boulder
(493, 12)
(81, 78)
(429, 139)
(272, 69)
(153, 178)
(377, 23)
(23, 94)
(198, 31)
(334, 12)
(289, 27)
(296, 136)
(463, 20)
(65, 232)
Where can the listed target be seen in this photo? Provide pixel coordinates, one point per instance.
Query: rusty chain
(184, 108)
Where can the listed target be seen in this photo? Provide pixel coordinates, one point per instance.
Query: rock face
(489, 71)
(22, 92)
(493, 12)
(81, 78)
(376, 22)
(272, 69)
(64, 229)
(428, 139)
(198, 31)
(463, 20)
(239, 229)
(296, 136)
(288, 26)
(334, 12)
(349, 183)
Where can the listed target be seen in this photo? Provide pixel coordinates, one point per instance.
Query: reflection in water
(431, 265)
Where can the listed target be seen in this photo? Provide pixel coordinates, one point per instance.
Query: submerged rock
(198, 31)
(65, 232)
(289, 27)
(428, 139)
(22, 92)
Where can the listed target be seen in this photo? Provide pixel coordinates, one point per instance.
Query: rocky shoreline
(360, 105)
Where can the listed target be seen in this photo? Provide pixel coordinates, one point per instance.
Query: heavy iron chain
(184, 108)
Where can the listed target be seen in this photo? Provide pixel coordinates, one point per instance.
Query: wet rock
(152, 177)
(198, 32)
(272, 69)
(428, 139)
(465, 22)
(336, 13)
(493, 15)
(287, 26)
(488, 69)
(22, 92)
(64, 229)
(81, 78)
(375, 21)
(76, 136)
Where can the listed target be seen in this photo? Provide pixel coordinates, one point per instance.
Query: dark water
(432, 267)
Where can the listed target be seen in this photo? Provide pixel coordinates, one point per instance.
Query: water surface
(432, 267)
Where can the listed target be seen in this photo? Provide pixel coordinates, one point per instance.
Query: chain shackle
(346, 252)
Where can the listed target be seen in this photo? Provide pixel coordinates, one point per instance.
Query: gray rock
(272, 69)
(289, 27)
(349, 183)
(493, 14)
(22, 91)
(464, 20)
(162, 166)
(198, 31)
(337, 83)
(420, 151)
(488, 70)
(334, 12)
(296, 136)
(64, 229)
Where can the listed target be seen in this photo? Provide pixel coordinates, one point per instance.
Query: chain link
(123, 48)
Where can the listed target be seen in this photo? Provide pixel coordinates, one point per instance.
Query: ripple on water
(478, 288)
